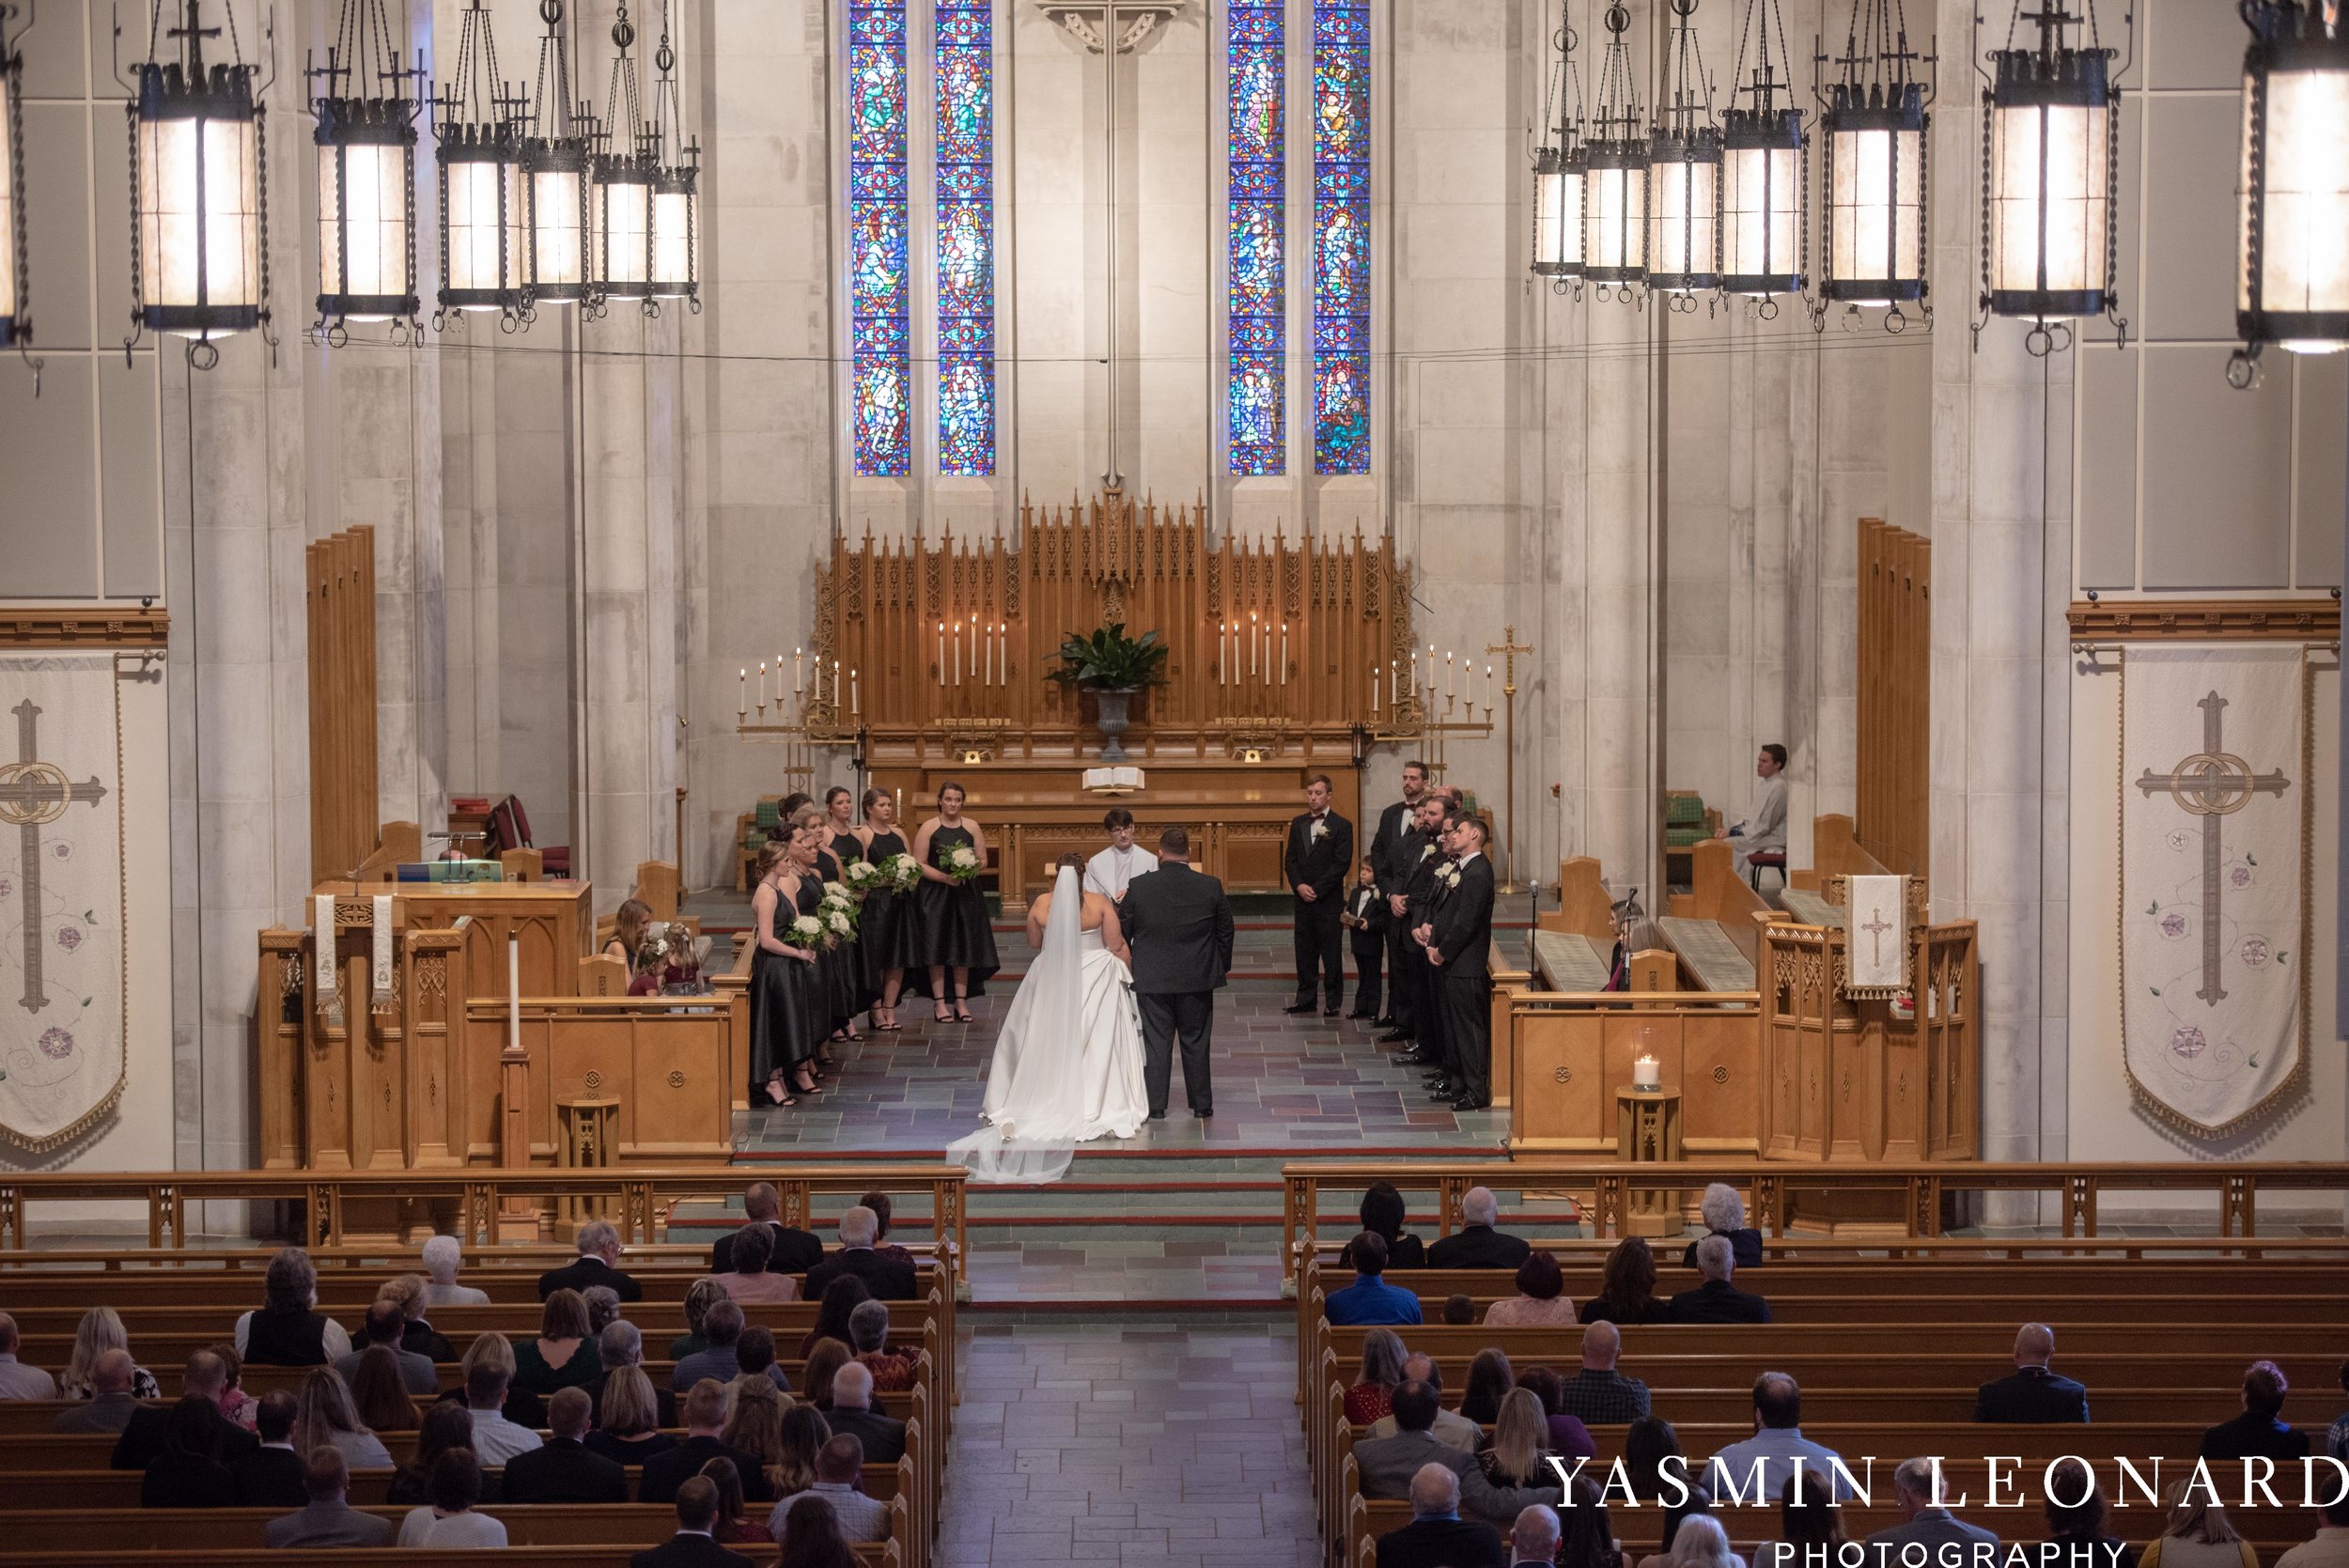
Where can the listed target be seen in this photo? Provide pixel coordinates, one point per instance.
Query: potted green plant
(1112, 666)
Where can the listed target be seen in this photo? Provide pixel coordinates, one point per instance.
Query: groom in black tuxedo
(1460, 950)
(1179, 925)
(1318, 864)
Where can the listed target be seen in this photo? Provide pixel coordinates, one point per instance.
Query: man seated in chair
(1763, 830)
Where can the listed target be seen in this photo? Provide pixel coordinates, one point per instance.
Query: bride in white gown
(1067, 1065)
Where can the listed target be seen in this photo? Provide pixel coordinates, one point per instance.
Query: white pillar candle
(942, 650)
(798, 674)
(853, 708)
(513, 991)
(1374, 690)
(957, 653)
(835, 683)
(1488, 689)
(1284, 653)
(762, 683)
(742, 695)
(1251, 643)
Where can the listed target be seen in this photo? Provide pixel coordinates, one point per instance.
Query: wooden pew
(1835, 852)
(1570, 943)
(62, 1485)
(1712, 926)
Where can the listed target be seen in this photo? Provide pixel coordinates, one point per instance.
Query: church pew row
(882, 1556)
(79, 1478)
(56, 1532)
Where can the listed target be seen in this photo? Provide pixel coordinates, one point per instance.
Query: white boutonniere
(1449, 874)
(1320, 830)
(1426, 850)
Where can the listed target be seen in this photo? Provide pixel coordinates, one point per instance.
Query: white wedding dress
(1067, 1064)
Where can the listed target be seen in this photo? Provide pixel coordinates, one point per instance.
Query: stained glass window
(965, 60)
(1341, 237)
(1256, 391)
(881, 383)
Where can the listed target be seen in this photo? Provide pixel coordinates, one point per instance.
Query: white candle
(798, 674)
(853, 708)
(1284, 653)
(1374, 689)
(1488, 689)
(762, 683)
(978, 672)
(1447, 674)
(899, 814)
(743, 695)
(1251, 643)
(1222, 654)
(957, 653)
(1003, 652)
(942, 650)
(836, 682)
(513, 991)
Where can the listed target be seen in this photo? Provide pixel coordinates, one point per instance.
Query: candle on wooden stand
(1646, 1074)
(1251, 643)
(853, 708)
(799, 674)
(1374, 690)
(1003, 652)
(742, 695)
(942, 650)
(835, 683)
(514, 992)
(957, 653)
(898, 813)
(1284, 653)
(1488, 691)
(762, 684)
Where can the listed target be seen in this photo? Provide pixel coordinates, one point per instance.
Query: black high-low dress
(951, 918)
(838, 977)
(886, 934)
(783, 1004)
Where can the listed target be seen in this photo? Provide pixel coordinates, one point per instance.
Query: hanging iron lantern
(366, 150)
(1614, 173)
(1685, 173)
(677, 173)
(557, 152)
(1873, 124)
(485, 233)
(16, 324)
(624, 169)
(2292, 286)
(1558, 168)
(1764, 185)
(2050, 176)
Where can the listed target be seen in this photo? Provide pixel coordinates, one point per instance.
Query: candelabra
(810, 715)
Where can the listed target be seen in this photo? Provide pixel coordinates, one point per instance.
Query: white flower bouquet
(862, 877)
(963, 863)
(805, 931)
(900, 872)
(837, 912)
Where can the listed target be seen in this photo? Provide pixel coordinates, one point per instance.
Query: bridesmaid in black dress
(836, 976)
(885, 933)
(782, 983)
(848, 847)
(955, 935)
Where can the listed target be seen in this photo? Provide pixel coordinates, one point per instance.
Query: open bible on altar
(1112, 777)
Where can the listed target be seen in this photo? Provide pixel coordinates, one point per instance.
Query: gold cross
(1509, 647)
(32, 794)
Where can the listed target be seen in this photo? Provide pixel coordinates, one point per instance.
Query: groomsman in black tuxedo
(1386, 847)
(1319, 863)
(1419, 885)
(1179, 925)
(1460, 950)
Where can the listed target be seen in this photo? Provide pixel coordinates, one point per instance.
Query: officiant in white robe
(1764, 826)
(1108, 872)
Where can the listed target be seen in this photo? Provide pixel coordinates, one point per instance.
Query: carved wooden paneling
(83, 627)
(2199, 620)
(1895, 733)
(340, 581)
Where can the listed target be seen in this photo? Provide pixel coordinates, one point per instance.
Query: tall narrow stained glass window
(1256, 217)
(881, 383)
(1341, 236)
(964, 54)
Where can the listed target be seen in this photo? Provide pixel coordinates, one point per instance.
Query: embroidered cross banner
(63, 975)
(1876, 940)
(2215, 797)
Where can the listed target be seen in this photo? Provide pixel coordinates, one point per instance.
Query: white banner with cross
(2213, 881)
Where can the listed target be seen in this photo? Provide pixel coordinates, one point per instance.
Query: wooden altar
(554, 921)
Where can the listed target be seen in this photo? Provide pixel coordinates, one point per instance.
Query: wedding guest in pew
(888, 1277)
(326, 1517)
(240, 1408)
(878, 1202)
(1652, 1458)
(705, 1412)
(1700, 1542)
(603, 1308)
(1724, 1213)
(287, 1329)
(1383, 1212)
(754, 1425)
(693, 1545)
(1634, 934)
(733, 1527)
(841, 1299)
(598, 1263)
(622, 1345)
(442, 1256)
(188, 1472)
(2196, 1534)
(1776, 1451)
(722, 1360)
(273, 1476)
(325, 1418)
(1541, 1301)
(702, 1294)
(628, 1419)
(1597, 1393)
(1382, 1371)
(2331, 1546)
(1369, 1299)
(564, 1469)
(1489, 1380)
(450, 1517)
(2337, 1436)
(894, 1371)
(1517, 1460)
(1437, 1537)
(1567, 1435)
(1810, 1525)
(1476, 1244)
(445, 1427)
(1533, 1537)
(1717, 1301)
(2259, 1431)
(2031, 1393)
(838, 1464)
(1923, 1521)
(564, 1355)
(1459, 1311)
(1627, 1287)
(1581, 1536)
(379, 1394)
(1389, 1461)
(823, 1366)
(752, 1283)
(791, 1251)
(110, 1402)
(384, 1327)
(101, 1330)
(497, 1437)
(411, 1294)
(811, 1537)
(804, 1434)
(852, 1412)
(1450, 1426)
(142, 1439)
(2076, 1513)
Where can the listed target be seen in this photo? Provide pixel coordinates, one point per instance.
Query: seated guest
(754, 1426)
(378, 1394)
(1724, 1213)
(598, 1263)
(841, 1298)
(1450, 1426)
(1810, 1525)
(2033, 1393)
(410, 1294)
(1925, 1521)
(1459, 1311)
(2196, 1534)
(1627, 1287)
(287, 1329)
(804, 1432)
(702, 1294)
(1382, 1369)
(564, 1469)
(894, 1371)
(327, 1518)
(1490, 1376)
(1567, 1435)
(564, 1354)
(824, 1363)
(2337, 1436)
(450, 1519)
(495, 1438)
(890, 1279)
(1476, 1244)
(790, 1250)
(240, 1408)
(692, 1546)
(1597, 1393)
(2259, 1430)
(325, 1418)
(523, 1407)
(445, 1427)
(442, 1254)
(811, 1537)
(1541, 1301)
(1635, 934)
(141, 1437)
(883, 1436)
(2331, 1546)
(109, 1404)
(1700, 1542)
(17, 1380)
(721, 1360)
(621, 1346)
(1369, 1299)
(2075, 1512)
(1661, 1476)
(1437, 1537)
(1383, 1214)
(878, 1202)
(1517, 1460)
(1389, 1462)
(1717, 1301)
(603, 1308)
(1532, 1537)
(1758, 1469)
(101, 1330)
(755, 1357)
(751, 1282)
(1587, 1539)
(629, 1419)
(274, 1475)
(733, 1526)
(838, 1465)
(386, 1324)
(705, 1412)
(188, 1473)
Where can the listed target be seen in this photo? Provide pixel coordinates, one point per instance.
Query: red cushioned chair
(510, 828)
(1774, 859)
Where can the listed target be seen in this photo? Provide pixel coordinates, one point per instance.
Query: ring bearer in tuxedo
(1393, 850)
(1365, 917)
(1318, 863)
(1419, 891)
(1459, 948)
